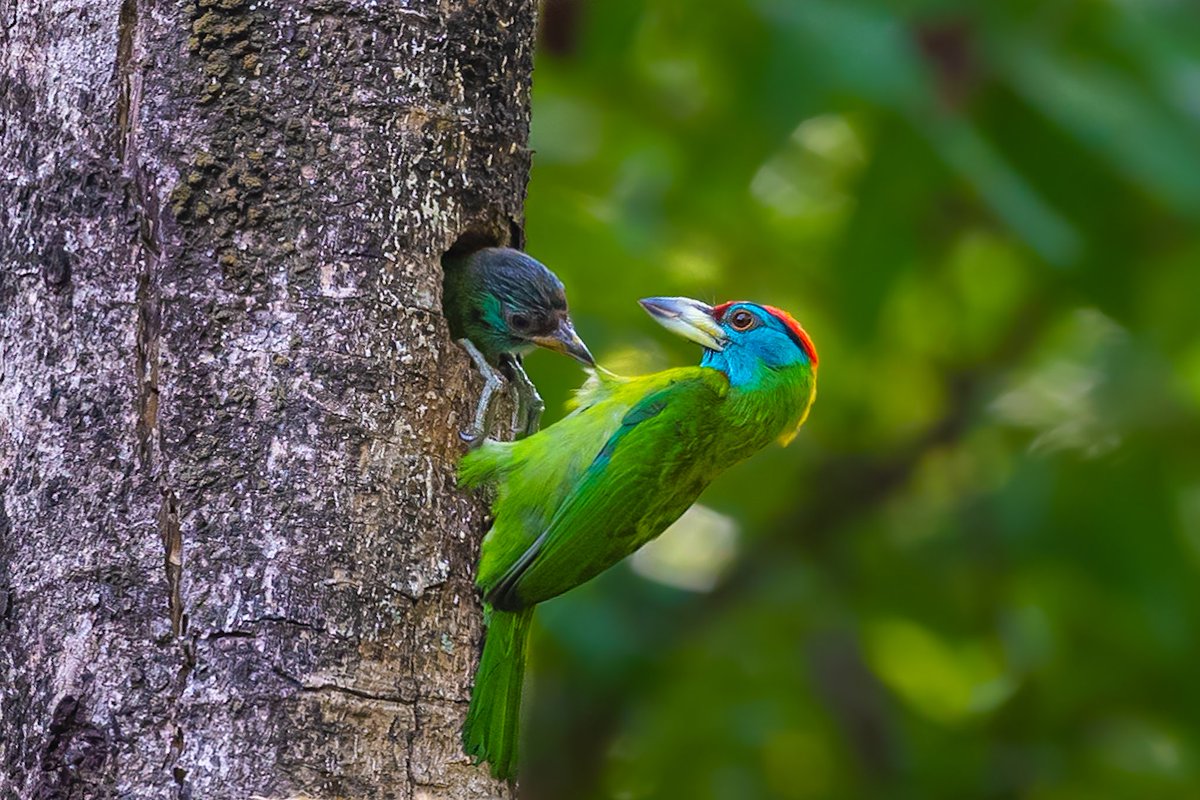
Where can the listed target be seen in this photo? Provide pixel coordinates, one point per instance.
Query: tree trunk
(233, 560)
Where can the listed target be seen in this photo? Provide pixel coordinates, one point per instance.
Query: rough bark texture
(233, 560)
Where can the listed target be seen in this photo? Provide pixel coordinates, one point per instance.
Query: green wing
(535, 476)
(647, 473)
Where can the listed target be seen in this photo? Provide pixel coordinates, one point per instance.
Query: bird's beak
(566, 341)
(689, 318)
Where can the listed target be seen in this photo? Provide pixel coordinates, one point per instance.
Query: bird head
(740, 338)
(524, 304)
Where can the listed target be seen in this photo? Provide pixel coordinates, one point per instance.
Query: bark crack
(168, 524)
(352, 692)
(147, 252)
(412, 744)
(146, 364)
(148, 246)
(337, 688)
(126, 27)
(282, 620)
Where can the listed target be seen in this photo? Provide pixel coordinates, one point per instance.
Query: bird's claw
(516, 409)
(527, 416)
(527, 403)
(492, 381)
(474, 440)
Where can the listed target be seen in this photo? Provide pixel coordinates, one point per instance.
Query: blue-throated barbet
(587, 491)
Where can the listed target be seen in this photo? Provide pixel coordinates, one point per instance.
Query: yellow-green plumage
(581, 495)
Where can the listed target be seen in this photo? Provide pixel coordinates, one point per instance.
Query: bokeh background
(976, 572)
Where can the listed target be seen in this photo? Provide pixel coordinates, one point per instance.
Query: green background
(976, 572)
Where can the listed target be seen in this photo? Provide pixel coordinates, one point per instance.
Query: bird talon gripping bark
(492, 382)
(535, 407)
(527, 415)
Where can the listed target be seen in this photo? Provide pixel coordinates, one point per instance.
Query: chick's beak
(566, 341)
(689, 318)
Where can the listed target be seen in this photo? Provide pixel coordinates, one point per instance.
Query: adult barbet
(584, 493)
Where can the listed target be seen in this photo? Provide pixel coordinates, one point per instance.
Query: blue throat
(746, 367)
(742, 372)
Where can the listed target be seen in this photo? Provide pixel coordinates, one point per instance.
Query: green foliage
(976, 573)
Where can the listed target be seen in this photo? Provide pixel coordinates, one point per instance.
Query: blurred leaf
(1110, 114)
(947, 683)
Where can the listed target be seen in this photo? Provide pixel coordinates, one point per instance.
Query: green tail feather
(492, 729)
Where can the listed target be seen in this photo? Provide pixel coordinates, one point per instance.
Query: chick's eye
(519, 321)
(742, 320)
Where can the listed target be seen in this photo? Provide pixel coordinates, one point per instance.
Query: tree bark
(233, 560)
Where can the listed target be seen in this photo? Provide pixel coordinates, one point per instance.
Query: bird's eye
(519, 321)
(742, 320)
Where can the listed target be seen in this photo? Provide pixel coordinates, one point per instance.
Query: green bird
(501, 304)
(584, 493)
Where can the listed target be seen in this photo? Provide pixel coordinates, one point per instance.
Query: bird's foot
(492, 382)
(529, 406)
